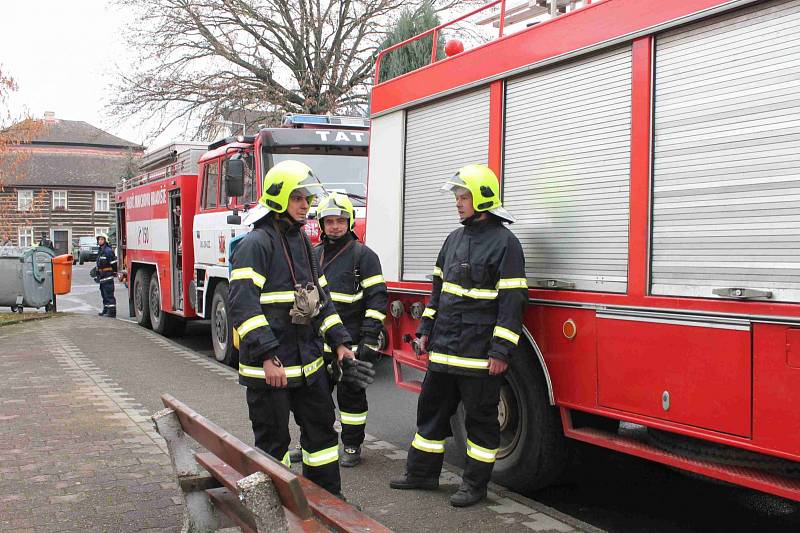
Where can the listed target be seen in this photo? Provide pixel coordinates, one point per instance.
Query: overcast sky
(63, 54)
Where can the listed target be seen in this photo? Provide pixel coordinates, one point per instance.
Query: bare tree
(15, 131)
(198, 58)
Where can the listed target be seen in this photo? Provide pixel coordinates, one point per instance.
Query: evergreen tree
(416, 54)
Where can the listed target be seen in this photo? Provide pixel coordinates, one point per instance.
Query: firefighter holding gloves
(352, 274)
(469, 329)
(106, 270)
(281, 315)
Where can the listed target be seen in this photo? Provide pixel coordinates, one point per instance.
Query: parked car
(87, 249)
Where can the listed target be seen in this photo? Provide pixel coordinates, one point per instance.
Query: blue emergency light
(339, 121)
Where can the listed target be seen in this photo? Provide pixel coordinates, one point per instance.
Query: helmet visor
(333, 211)
(311, 186)
(453, 183)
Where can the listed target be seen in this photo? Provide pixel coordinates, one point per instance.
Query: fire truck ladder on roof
(505, 16)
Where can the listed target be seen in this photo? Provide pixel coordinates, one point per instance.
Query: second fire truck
(176, 221)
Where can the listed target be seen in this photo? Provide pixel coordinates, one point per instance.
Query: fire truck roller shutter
(727, 135)
(441, 137)
(567, 170)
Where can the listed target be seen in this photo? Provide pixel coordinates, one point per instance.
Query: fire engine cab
(176, 220)
(650, 151)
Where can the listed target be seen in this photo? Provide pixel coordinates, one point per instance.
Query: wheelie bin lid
(63, 259)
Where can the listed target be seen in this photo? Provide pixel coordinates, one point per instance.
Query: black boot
(407, 482)
(103, 312)
(467, 495)
(112, 313)
(351, 456)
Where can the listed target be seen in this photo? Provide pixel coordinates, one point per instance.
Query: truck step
(408, 358)
(753, 478)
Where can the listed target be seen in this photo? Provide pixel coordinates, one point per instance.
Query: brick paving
(73, 455)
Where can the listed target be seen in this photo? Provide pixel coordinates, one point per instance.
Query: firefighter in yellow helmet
(352, 273)
(470, 328)
(282, 317)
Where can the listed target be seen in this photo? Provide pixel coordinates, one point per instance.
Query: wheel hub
(155, 302)
(508, 416)
(220, 324)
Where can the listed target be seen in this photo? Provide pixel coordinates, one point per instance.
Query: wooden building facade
(63, 186)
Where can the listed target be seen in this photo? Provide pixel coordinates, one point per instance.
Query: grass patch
(8, 318)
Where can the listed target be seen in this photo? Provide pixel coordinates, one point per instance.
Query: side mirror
(234, 177)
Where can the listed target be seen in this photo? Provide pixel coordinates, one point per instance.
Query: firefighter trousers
(313, 409)
(438, 402)
(353, 407)
(107, 294)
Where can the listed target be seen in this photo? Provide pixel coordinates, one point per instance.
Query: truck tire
(80, 259)
(533, 451)
(141, 288)
(163, 323)
(224, 352)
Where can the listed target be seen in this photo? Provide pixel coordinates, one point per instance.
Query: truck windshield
(340, 173)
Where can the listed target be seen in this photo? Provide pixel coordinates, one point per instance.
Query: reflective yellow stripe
(377, 315)
(248, 273)
(329, 322)
(322, 457)
(313, 366)
(454, 360)
(354, 419)
(429, 313)
(478, 294)
(346, 298)
(479, 453)
(437, 271)
(512, 283)
(290, 371)
(323, 281)
(277, 297)
(250, 324)
(251, 371)
(286, 460)
(326, 348)
(507, 334)
(427, 445)
(373, 280)
(293, 371)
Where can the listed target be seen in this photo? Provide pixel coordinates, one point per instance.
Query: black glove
(358, 373)
(368, 350)
(94, 275)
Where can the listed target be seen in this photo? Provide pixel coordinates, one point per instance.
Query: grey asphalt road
(612, 491)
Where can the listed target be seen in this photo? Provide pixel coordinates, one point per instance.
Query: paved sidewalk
(78, 452)
(73, 456)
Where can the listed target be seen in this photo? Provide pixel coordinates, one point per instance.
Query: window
(24, 200)
(25, 237)
(250, 185)
(101, 230)
(59, 200)
(222, 192)
(101, 201)
(211, 186)
(250, 182)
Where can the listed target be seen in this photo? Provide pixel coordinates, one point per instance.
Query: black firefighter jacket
(479, 294)
(106, 261)
(261, 295)
(352, 273)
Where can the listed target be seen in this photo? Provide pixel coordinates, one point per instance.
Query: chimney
(49, 116)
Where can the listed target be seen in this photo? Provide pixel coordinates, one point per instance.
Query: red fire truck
(650, 151)
(175, 221)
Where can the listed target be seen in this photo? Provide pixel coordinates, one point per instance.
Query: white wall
(385, 190)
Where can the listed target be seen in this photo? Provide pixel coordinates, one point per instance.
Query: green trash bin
(26, 278)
